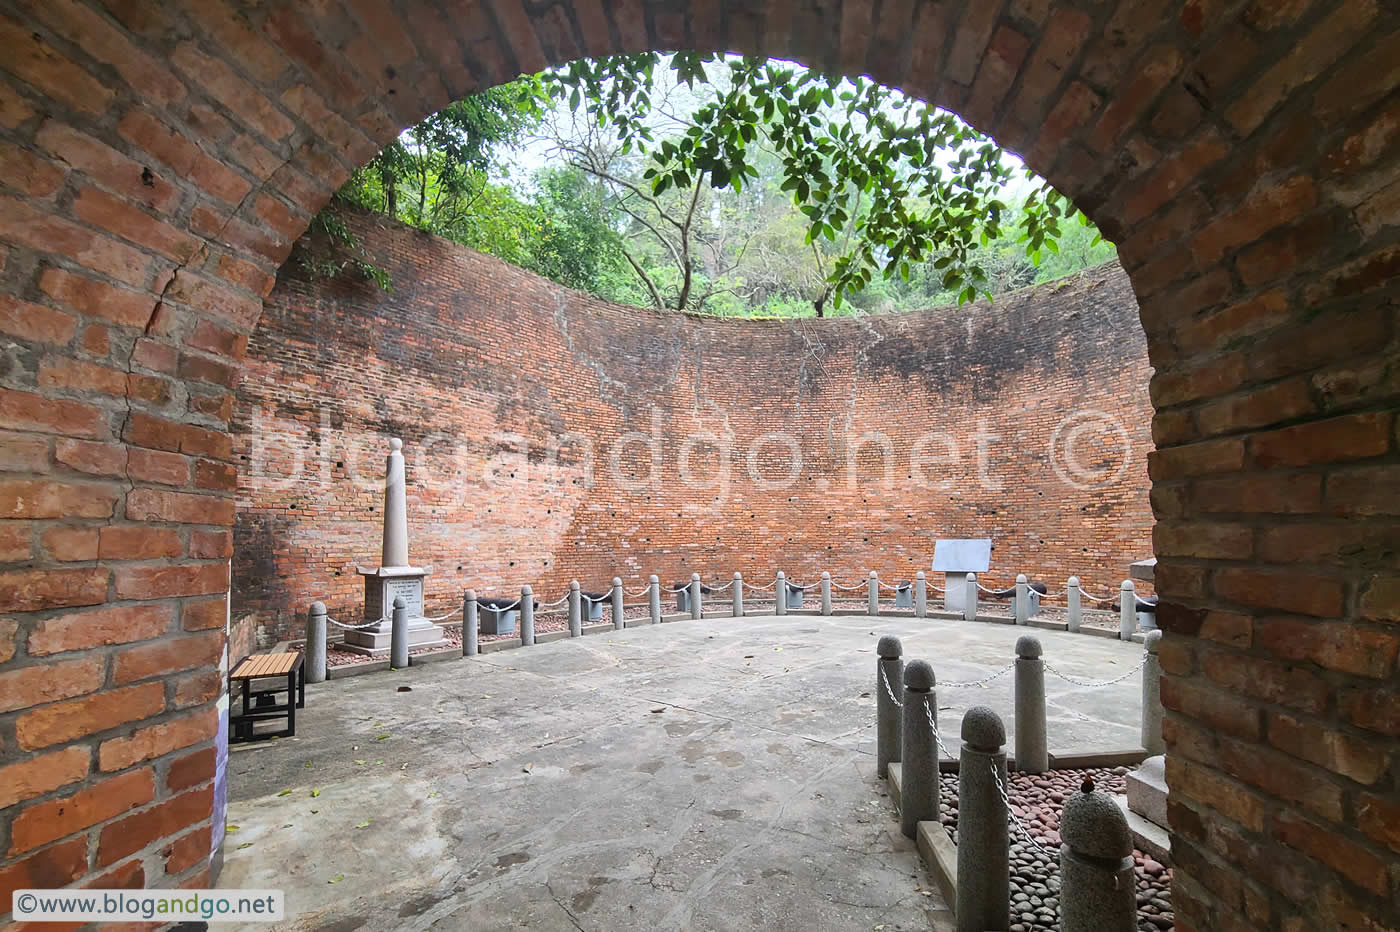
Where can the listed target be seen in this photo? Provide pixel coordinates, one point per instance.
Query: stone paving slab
(538, 788)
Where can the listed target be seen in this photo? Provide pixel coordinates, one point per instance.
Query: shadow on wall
(550, 436)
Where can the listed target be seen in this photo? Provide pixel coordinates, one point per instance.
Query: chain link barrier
(1015, 820)
(1098, 684)
(445, 617)
(982, 682)
(883, 676)
(368, 624)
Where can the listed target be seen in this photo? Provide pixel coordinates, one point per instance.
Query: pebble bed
(1035, 870)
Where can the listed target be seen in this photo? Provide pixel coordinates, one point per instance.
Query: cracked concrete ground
(693, 776)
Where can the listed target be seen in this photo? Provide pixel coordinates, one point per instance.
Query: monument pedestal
(1146, 808)
(382, 585)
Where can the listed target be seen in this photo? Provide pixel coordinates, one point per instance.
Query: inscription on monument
(380, 593)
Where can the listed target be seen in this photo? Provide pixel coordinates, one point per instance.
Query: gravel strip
(1035, 871)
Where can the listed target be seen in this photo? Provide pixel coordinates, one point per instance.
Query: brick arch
(160, 159)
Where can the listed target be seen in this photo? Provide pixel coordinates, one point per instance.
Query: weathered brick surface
(466, 373)
(1241, 154)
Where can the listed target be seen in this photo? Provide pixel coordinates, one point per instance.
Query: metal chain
(718, 588)
(444, 617)
(982, 682)
(1097, 685)
(368, 624)
(559, 601)
(935, 588)
(641, 591)
(1013, 817)
(932, 724)
(750, 585)
(884, 585)
(1094, 598)
(859, 585)
(883, 676)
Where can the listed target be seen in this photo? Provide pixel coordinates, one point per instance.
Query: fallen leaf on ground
(381, 737)
(285, 793)
(363, 824)
(315, 793)
(527, 768)
(336, 879)
(658, 710)
(246, 844)
(230, 828)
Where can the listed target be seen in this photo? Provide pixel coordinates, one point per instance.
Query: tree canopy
(731, 185)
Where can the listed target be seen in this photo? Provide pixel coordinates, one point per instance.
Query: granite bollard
(780, 594)
(918, 756)
(1152, 695)
(1072, 600)
(889, 672)
(1127, 610)
(527, 616)
(873, 594)
(619, 619)
(316, 643)
(654, 598)
(398, 635)
(1022, 608)
(738, 595)
(697, 610)
(920, 594)
(969, 597)
(826, 593)
(575, 609)
(1032, 744)
(1098, 891)
(984, 843)
(470, 625)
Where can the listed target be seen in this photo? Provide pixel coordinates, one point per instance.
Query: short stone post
(1127, 610)
(1072, 596)
(920, 594)
(575, 609)
(889, 674)
(527, 616)
(984, 844)
(398, 635)
(1098, 892)
(969, 597)
(316, 643)
(619, 620)
(1023, 601)
(1152, 695)
(696, 610)
(873, 593)
(654, 598)
(738, 595)
(470, 625)
(826, 593)
(1032, 744)
(918, 788)
(780, 594)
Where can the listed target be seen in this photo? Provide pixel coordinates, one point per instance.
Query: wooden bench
(261, 703)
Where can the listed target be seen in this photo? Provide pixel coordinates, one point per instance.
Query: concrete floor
(697, 775)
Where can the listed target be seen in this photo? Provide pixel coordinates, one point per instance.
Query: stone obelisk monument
(394, 577)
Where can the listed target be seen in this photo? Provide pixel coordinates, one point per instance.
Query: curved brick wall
(501, 382)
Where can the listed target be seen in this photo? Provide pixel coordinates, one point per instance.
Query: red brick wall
(466, 353)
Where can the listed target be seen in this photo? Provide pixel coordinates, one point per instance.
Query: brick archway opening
(163, 157)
